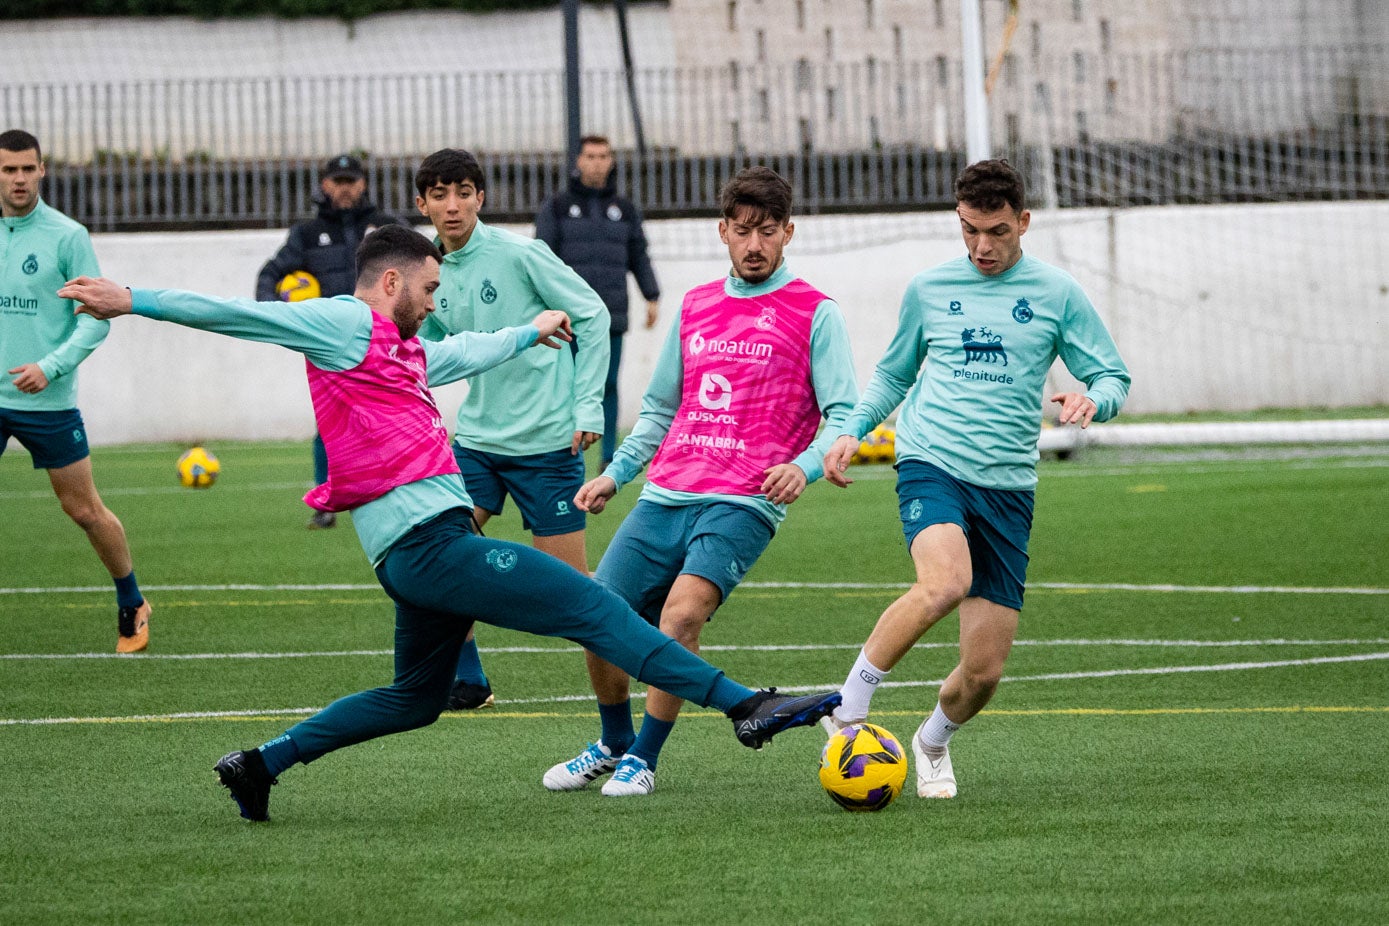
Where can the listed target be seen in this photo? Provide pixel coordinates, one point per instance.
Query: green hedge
(227, 9)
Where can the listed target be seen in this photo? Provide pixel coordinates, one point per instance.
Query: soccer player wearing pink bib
(751, 365)
(389, 463)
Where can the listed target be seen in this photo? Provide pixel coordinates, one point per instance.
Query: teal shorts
(997, 525)
(543, 485)
(53, 439)
(656, 544)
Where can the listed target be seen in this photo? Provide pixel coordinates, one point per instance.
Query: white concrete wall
(1230, 308)
(391, 84)
(137, 48)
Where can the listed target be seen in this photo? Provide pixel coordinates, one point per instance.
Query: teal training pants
(442, 578)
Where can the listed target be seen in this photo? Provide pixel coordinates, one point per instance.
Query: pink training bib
(747, 400)
(378, 421)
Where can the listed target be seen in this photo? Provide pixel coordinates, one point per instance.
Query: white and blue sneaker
(591, 764)
(633, 777)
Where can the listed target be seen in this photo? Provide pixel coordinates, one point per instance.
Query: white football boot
(633, 777)
(935, 777)
(593, 763)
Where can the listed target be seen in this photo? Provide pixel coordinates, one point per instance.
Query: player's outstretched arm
(593, 495)
(332, 333)
(468, 353)
(97, 297)
(837, 461)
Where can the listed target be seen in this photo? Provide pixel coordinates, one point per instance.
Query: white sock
(858, 690)
(935, 732)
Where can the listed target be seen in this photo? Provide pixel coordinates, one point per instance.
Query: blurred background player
(41, 345)
(325, 247)
(391, 464)
(967, 447)
(599, 234)
(493, 279)
(734, 444)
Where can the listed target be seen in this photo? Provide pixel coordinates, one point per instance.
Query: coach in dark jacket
(598, 234)
(326, 246)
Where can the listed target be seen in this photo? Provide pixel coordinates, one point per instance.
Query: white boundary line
(716, 648)
(1048, 677)
(1071, 586)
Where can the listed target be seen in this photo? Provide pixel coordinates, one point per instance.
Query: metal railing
(1201, 126)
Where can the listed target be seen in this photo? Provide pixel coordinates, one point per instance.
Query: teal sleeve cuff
(856, 427)
(529, 335)
(621, 472)
(144, 302)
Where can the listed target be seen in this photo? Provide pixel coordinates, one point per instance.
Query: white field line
(1048, 677)
(1359, 458)
(716, 648)
(1071, 586)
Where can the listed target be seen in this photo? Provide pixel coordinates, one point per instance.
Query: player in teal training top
(41, 345)
(753, 362)
(389, 463)
(492, 278)
(987, 327)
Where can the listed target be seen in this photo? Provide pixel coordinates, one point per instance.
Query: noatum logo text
(699, 345)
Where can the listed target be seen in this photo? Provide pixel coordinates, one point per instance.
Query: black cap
(344, 165)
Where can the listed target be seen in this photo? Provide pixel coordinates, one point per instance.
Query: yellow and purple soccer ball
(198, 468)
(863, 767)
(878, 446)
(298, 285)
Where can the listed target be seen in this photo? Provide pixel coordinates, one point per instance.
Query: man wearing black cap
(325, 247)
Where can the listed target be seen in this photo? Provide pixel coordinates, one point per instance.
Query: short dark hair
(760, 189)
(989, 185)
(449, 166)
(392, 246)
(19, 140)
(595, 140)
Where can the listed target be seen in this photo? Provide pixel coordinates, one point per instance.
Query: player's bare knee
(683, 627)
(86, 515)
(932, 601)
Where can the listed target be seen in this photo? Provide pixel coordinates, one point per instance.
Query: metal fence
(1197, 126)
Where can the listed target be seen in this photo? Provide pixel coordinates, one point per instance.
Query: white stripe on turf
(715, 648)
(797, 689)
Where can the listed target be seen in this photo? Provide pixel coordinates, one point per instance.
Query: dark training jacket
(325, 246)
(598, 234)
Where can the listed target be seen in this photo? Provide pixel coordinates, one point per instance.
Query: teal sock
(470, 665)
(650, 740)
(279, 754)
(128, 592)
(320, 461)
(618, 733)
(728, 693)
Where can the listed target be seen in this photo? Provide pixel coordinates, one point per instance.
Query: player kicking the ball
(991, 323)
(389, 463)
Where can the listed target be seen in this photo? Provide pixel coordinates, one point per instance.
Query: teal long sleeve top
(334, 334)
(969, 361)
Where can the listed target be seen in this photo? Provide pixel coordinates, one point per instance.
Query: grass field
(1194, 727)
